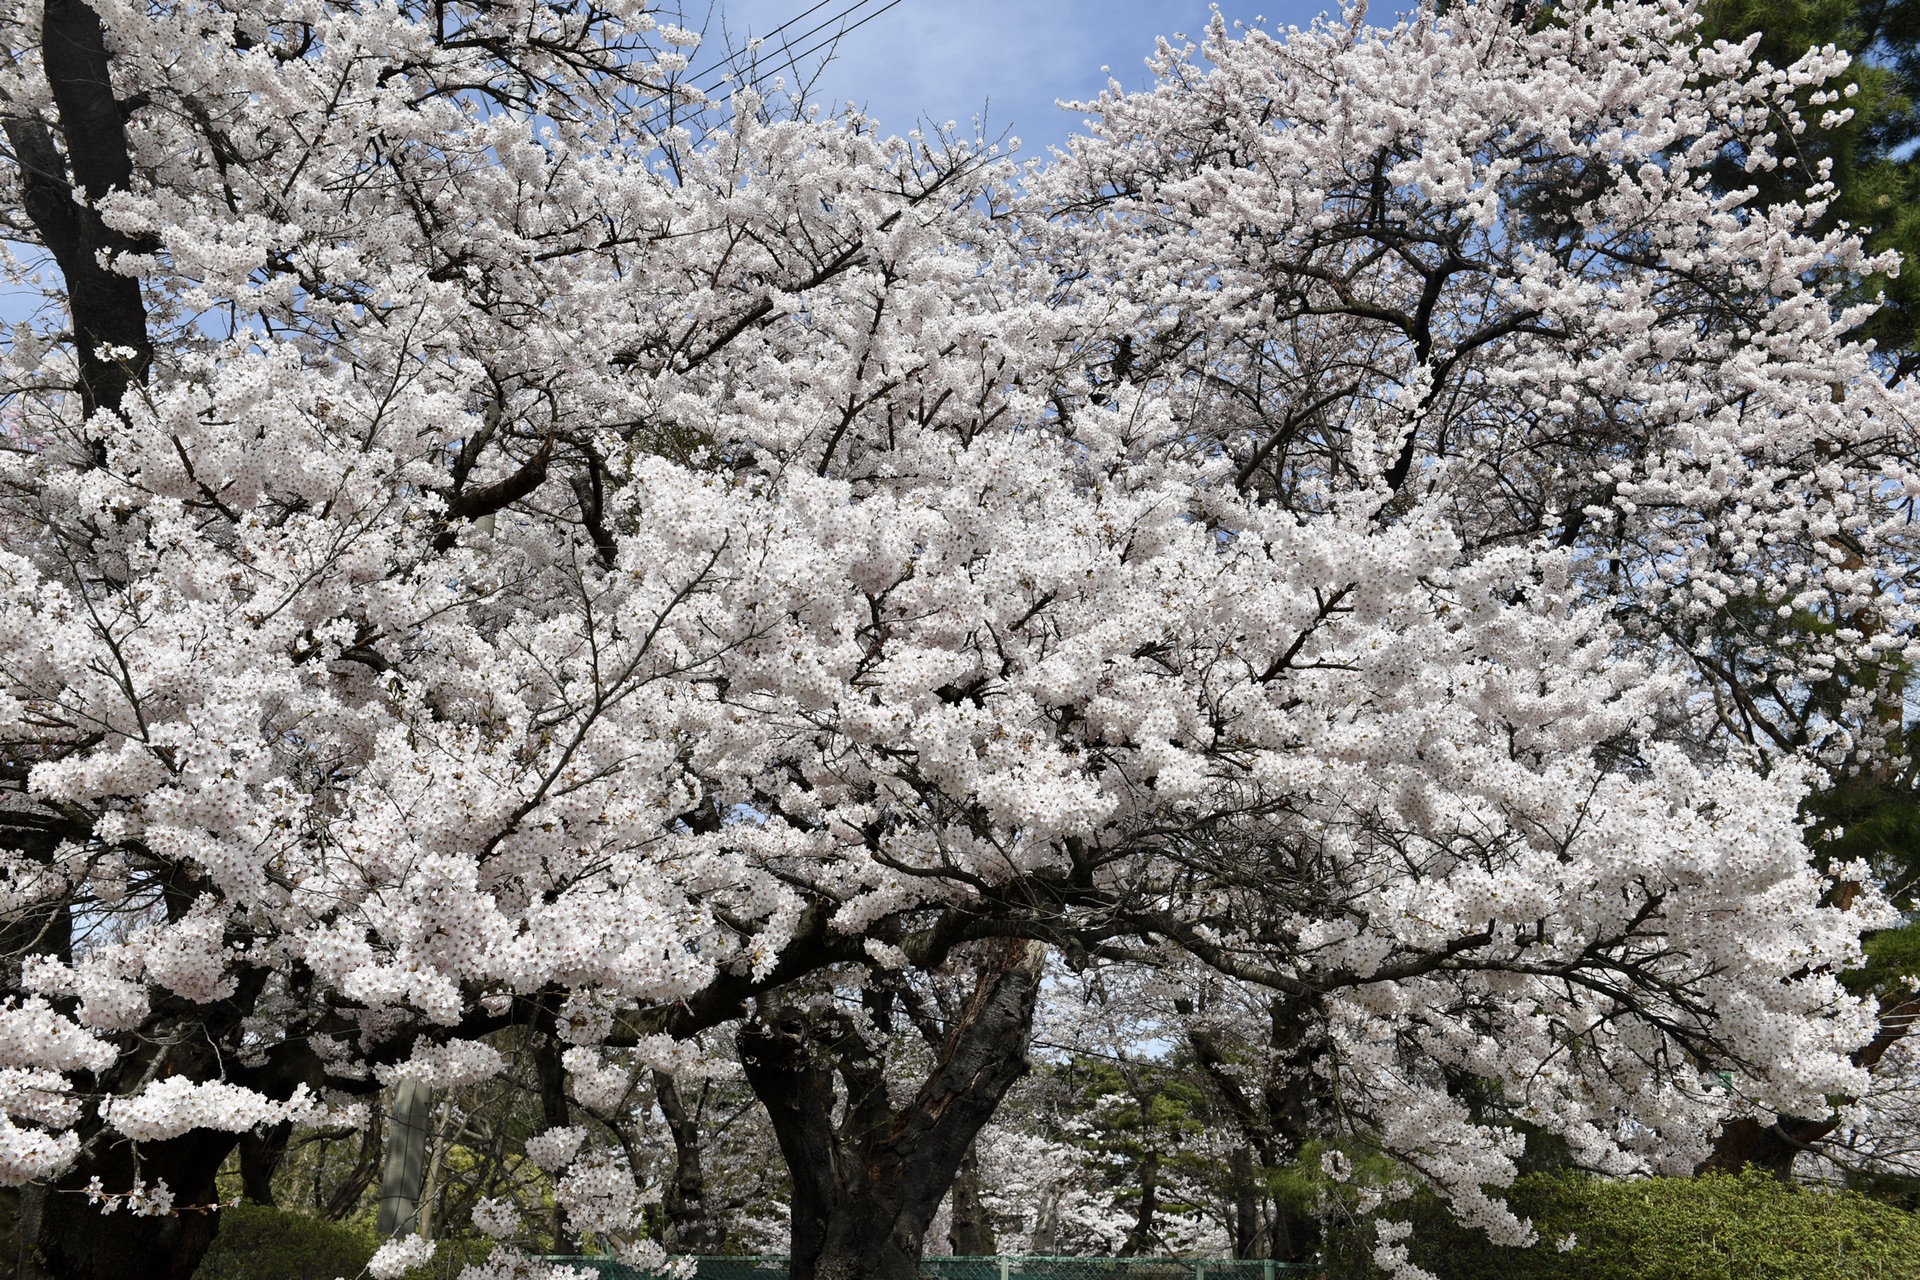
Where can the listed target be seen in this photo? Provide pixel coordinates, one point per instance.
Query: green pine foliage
(1872, 154)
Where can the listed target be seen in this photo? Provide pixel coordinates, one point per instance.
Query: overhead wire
(793, 58)
(751, 45)
(719, 73)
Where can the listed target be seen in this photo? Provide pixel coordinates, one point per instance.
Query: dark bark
(347, 1195)
(62, 1235)
(75, 1241)
(1758, 1144)
(106, 306)
(1295, 1235)
(1750, 1143)
(1275, 1120)
(865, 1189)
(972, 1233)
(690, 1226)
(1247, 1241)
(465, 503)
(1140, 1238)
(551, 1076)
(260, 1154)
(590, 489)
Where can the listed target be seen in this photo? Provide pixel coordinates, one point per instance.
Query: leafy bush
(1744, 1227)
(451, 1256)
(259, 1243)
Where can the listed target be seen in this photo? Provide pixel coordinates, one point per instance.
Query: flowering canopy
(538, 564)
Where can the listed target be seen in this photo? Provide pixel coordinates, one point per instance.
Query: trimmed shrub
(259, 1243)
(1729, 1227)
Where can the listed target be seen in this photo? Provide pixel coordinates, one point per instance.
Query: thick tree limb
(109, 317)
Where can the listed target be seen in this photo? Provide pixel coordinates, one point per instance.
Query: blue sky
(948, 60)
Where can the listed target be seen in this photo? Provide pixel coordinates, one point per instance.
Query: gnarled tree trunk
(68, 1238)
(111, 347)
(866, 1189)
(1757, 1144)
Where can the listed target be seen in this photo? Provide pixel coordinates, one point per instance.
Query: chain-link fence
(1005, 1267)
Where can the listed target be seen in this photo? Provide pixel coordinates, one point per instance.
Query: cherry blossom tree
(388, 456)
(1506, 273)
(495, 548)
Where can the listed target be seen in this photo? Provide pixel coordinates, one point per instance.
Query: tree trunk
(360, 1177)
(1277, 1119)
(551, 1075)
(111, 346)
(866, 1189)
(1296, 1236)
(1751, 1143)
(690, 1228)
(62, 1235)
(1247, 1241)
(1140, 1239)
(73, 1240)
(260, 1155)
(972, 1234)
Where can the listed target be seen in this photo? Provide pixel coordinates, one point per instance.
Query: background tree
(1871, 153)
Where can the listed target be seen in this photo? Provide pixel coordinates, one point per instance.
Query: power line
(717, 74)
(748, 48)
(840, 34)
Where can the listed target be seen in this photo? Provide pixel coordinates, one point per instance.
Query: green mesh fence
(1009, 1267)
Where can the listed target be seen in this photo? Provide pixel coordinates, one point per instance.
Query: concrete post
(406, 1166)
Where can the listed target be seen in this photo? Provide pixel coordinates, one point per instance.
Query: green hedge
(1744, 1227)
(258, 1243)
(1748, 1227)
